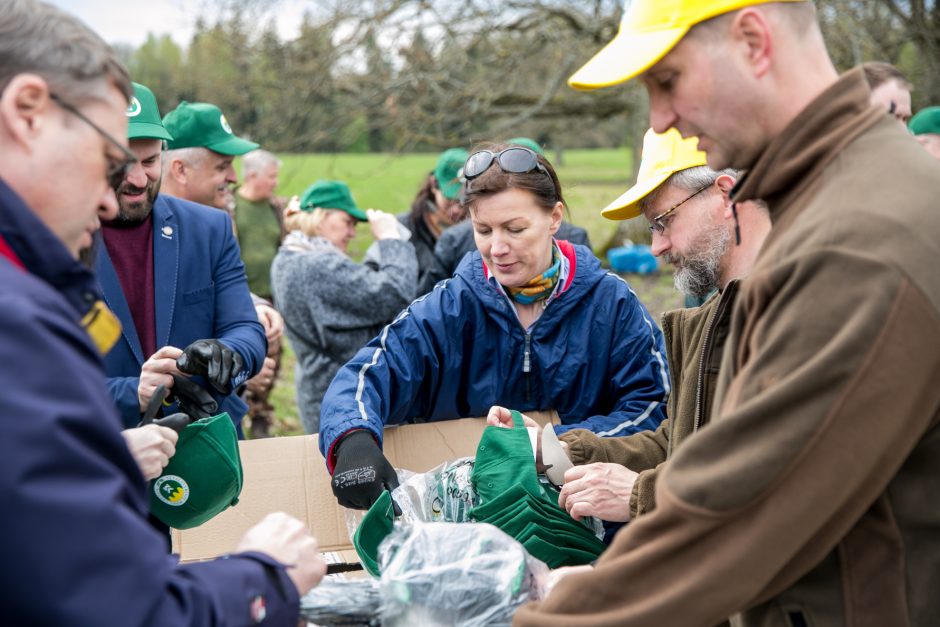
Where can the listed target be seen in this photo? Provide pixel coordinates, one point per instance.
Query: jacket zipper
(706, 353)
(527, 366)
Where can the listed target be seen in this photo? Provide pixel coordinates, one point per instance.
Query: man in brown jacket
(811, 499)
(693, 227)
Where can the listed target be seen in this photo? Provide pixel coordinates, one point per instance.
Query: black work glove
(193, 399)
(213, 360)
(361, 473)
(175, 421)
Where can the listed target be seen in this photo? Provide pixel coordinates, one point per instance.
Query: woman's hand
(383, 225)
(502, 417)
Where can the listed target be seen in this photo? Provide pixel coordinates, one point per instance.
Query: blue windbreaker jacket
(595, 356)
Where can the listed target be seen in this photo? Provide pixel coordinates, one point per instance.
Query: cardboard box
(289, 474)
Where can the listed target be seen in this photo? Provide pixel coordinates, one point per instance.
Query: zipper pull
(526, 361)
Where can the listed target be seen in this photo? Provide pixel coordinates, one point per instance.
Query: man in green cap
(810, 498)
(199, 161)
(171, 273)
(199, 169)
(926, 128)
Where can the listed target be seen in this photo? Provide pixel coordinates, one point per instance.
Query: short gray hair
(690, 179)
(38, 38)
(193, 156)
(257, 161)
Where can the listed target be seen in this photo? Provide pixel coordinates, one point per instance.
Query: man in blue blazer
(171, 272)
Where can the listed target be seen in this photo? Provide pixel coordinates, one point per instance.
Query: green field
(590, 180)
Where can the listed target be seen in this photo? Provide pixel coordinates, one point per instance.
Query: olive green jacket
(812, 497)
(694, 340)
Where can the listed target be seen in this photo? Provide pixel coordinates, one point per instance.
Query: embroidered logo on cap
(225, 126)
(133, 108)
(172, 490)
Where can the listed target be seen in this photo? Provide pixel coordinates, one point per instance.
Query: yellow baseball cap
(663, 156)
(648, 30)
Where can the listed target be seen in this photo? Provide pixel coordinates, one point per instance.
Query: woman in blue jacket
(527, 322)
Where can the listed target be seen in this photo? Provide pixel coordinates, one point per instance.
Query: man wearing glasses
(76, 543)
(811, 498)
(171, 271)
(693, 226)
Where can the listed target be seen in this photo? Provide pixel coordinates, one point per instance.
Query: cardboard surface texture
(288, 474)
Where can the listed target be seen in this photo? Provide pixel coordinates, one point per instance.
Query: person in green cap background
(435, 208)
(170, 271)
(199, 162)
(332, 306)
(926, 128)
(199, 169)
(457, 241)
(810, 498)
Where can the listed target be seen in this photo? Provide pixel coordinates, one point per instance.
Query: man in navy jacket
(170, 270)
(77, 547)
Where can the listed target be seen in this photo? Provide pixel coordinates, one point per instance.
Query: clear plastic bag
(455, 574)
(442, 494)
(343, 602)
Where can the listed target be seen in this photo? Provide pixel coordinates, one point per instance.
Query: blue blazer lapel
(114, 298)
(166, 258)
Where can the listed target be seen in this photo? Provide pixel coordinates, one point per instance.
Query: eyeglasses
(117, 169)
(515, 160)
(657, 223)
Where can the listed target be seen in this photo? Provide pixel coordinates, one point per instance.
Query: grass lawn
(590, 180)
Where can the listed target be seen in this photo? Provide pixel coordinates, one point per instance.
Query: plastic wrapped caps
(342, 603)
(436, 574)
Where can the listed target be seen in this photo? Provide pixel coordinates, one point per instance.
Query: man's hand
(272, 322)
(213, 360)
(361, 473)
(602, 490)
(502, 417)
(152, 446)
(287, 540)
(157, 370)
(263, 380)
(557, 574)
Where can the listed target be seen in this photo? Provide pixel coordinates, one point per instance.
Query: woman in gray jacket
(333, 306)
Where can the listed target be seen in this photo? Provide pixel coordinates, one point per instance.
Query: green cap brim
(233, 146)
(359, 214)
(628, 205)
(450, 190)
(147, 130)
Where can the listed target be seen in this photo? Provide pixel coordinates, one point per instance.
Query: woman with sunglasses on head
(527, 322)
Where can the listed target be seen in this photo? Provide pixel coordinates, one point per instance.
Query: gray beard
(699, 272)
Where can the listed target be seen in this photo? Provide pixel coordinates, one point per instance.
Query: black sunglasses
(515, 160)
(117, 169)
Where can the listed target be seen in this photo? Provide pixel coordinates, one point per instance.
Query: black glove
(361, 473)
(175, 421)
(193, 398)
(213, 360)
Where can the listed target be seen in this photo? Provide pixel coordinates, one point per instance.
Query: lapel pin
(168, 232)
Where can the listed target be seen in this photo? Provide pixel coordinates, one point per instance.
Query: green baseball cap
(926, 122)
(143, 116)
(202, 125)
(203, 478)
(331, 195)
(448, 171)
(525, 142)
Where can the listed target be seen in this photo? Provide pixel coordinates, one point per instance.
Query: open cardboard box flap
(289, 475)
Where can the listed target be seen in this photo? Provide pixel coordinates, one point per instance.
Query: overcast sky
(129, 21)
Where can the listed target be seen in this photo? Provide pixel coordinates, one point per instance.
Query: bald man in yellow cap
(811, 498)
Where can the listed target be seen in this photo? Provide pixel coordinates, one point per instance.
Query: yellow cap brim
(628, 205)
(625, 57)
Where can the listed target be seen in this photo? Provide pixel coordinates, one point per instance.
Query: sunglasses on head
(514, 160)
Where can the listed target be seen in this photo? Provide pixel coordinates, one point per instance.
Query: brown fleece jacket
(811, 498)
(694, 340)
